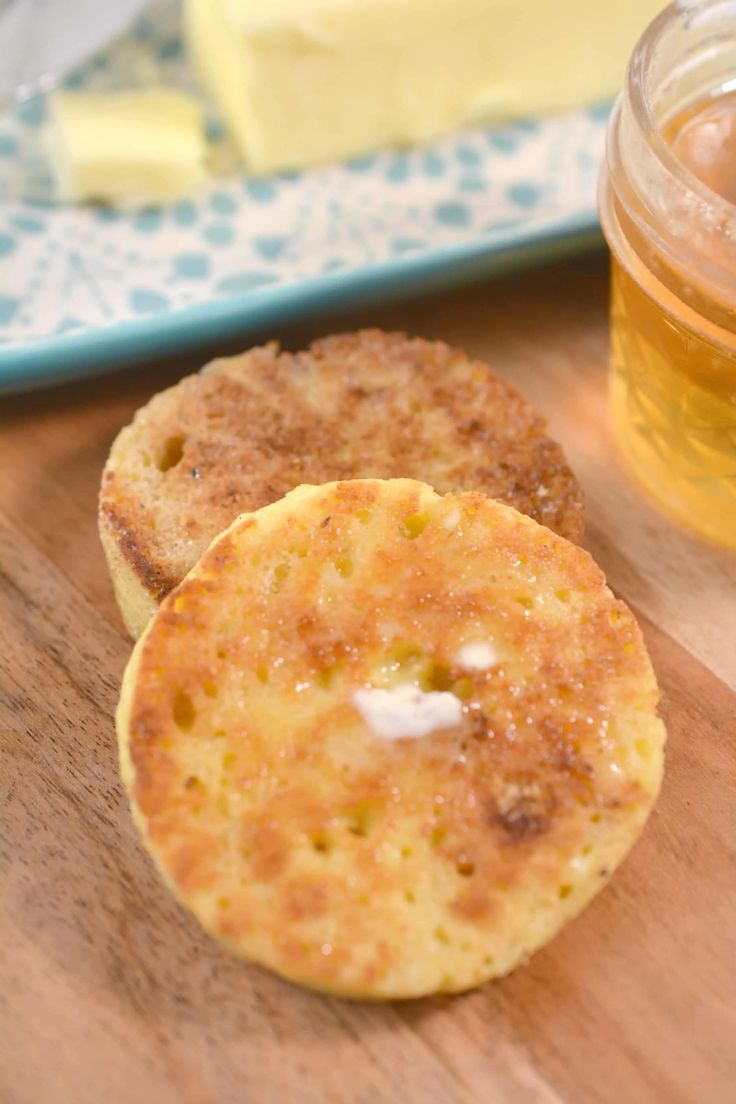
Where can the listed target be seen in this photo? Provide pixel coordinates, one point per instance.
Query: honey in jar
(667, 206)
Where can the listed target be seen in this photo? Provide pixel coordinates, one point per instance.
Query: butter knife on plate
(42, 40)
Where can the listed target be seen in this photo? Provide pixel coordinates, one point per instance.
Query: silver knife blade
(42, 40)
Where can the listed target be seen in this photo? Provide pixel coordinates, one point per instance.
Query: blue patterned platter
(83, 289)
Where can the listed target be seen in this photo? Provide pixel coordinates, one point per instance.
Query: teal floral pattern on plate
(67, 270)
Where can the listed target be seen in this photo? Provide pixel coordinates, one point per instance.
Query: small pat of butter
(406, 712)
(478, 656)
(128, 148)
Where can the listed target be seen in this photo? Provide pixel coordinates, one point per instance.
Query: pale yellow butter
(304, 81)
(143, 146)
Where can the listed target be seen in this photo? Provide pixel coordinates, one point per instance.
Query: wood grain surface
(110, 994)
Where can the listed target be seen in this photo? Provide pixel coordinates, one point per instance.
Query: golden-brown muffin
(244, 431)
(387, 743)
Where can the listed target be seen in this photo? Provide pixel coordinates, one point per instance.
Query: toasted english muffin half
(386, 743)
(246, 430)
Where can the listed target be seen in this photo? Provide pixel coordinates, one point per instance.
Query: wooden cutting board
(110, 994)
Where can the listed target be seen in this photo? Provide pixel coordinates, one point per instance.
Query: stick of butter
(303, 81)
(142, 146)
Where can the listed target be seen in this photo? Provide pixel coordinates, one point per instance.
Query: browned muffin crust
(244, 431)
(284, 821)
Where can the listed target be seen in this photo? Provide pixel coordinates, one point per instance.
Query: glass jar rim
(640, 101)
(665, 225)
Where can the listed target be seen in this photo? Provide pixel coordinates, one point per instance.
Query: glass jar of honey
(668, 209)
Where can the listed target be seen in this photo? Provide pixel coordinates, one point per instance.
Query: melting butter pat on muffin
(406, 712)
(386, 759)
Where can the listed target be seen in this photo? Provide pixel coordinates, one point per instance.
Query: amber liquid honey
(673, 387)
